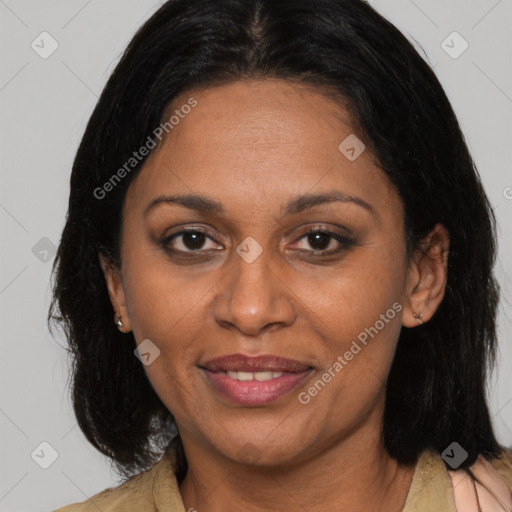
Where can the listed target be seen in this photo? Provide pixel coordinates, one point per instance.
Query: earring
(418, 317)
(119, 323)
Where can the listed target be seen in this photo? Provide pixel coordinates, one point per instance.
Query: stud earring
(119, 323)
(418, 317)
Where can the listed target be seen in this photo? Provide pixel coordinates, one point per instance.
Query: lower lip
(254, 392)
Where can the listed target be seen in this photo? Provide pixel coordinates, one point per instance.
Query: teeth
(260, 376)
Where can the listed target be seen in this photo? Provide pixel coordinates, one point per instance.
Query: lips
(264, 363)
(253, 381)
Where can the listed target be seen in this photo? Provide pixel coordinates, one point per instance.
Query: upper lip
(263, 363)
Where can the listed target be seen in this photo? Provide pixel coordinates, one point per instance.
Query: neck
(355, 474)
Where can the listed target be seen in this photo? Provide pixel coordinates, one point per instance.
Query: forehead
(250, 140)
(272, 117)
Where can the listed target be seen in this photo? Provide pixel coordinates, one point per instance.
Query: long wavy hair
(436, 391)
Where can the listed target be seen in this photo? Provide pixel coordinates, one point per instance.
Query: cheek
(164, 301)
(170, 310)
(353, 295)
(358, 351)
(357, 315)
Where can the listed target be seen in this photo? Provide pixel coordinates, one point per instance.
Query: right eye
(187, 241)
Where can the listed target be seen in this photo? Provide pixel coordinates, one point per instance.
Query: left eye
(320, 240)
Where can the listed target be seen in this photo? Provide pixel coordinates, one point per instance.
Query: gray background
(44, 106)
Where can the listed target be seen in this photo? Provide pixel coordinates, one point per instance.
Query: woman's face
(249, 280)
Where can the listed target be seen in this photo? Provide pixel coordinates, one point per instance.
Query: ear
(427, 277)
(114, 281)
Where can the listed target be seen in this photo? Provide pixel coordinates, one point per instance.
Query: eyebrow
(295, 205)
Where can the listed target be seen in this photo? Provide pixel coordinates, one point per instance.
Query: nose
(254, 298)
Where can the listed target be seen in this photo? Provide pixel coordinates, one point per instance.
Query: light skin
(253, 146)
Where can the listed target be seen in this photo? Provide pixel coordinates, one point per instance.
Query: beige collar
(431, 486)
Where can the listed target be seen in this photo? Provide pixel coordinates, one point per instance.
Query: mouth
(254, 381)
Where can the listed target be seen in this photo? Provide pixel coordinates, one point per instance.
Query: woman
(276, 271)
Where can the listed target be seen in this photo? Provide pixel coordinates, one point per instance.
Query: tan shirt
(156, 490)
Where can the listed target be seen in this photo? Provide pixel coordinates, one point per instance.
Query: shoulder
(503, 465)
(134, 494)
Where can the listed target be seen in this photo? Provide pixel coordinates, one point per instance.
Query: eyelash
(345, 241)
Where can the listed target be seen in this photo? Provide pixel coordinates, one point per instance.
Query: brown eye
(321, 240)
(192, 240)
